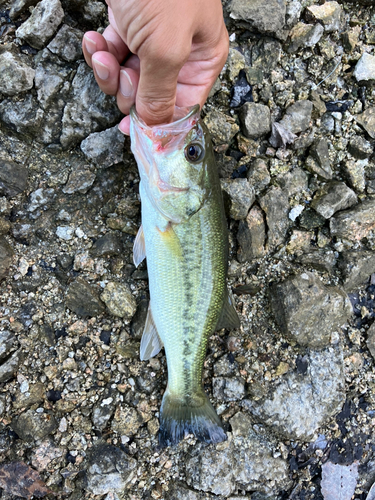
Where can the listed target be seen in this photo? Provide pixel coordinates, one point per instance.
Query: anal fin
(229, 318)
(139, 248)
(151, 343)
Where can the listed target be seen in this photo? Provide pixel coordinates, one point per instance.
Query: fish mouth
(182, 116)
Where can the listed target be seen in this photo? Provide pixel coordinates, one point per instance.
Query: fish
(184, 238)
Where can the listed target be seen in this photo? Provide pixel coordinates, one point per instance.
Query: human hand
(173, 51)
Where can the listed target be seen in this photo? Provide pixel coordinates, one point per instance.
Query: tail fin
(177, 419)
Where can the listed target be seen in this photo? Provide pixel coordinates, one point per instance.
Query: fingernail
(90, 45)
(126, 86)
(101, 69)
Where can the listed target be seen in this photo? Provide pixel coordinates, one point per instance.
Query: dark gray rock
(104, 148)
(356, 223)
(309, 219)
(255, 120)
(88, 109)
(182, 492)
(241, 197)
(265, 56)
(83, 299)
(251, 236)
(102, 413)
(307, 311)
(119, 300)
(50, 77)
(293, 182)
(332, 197)
(126, 421)
(319, 259)
(67, 44)
(108, 245)
(264, 16)
(80, 180)
(356, 267)
(42, 24)
(360, 148)
(139, 319)
(322, 164)
(15, 76)
(32, 425)
(24, 116)
(228, 388)
(247, 462)
(297, 117)
(276, 206)
(312, 398)
(40, 198)
(13, 178)
(7, 341)
(109, 469)
(258, 175)
(9, 367)
(304, 35)
(6, 257)
(19, 6)
(364, 71)
(367, 120)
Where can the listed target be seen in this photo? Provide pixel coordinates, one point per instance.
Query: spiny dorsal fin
(151, 343)
(229, 318)
(139, 249)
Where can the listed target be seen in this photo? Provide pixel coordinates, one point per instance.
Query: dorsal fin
(139, 248)
(229, 318)
(151, 343)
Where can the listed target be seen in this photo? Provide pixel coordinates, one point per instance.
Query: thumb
(156, 94)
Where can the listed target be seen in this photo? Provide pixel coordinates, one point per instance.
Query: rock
(356, 267)
(88, 109)
(321, 260)
(350, 38)
(109, 469)
(23, 116)
(293, 182)
(312, 397)
(40, 198)
(251, 236)
(228, 388)
(258, 175)
(241, 91)
(83, 300)
(104, 148)
(9, 367)
(19, 6)
(360, 148)
(235, 62)
(307, 311)
(13, 178)
(80, 180)
(304, 35)
(5, 226)
(139, 319)
(65, 232)
(7, 341)
(328, 14)
(34, 394)
(6, 257)
(332, 197)
(276, 206)
(299, 241)
(50, 77)
(371, 340)
(356, 223)
(297, 117)
(246, 462)
(67, 44)
(221, 127)
(322, 163)
(367, 121)
(108, 245)
(265, 16)
(265, 56)
(364, 71)
(180, 491)
(126, 421)
(33, 425)
(15, 76)
(241, 197)
(355, 173)
(102, 413)
(255, 119)
(42, 24)
(43, 455)
(119, 300)
(225, 366)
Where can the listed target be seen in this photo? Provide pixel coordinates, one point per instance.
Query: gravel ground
(292, 118)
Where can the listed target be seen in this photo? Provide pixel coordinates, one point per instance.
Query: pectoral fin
(139, 248)
(151, 343)
(229, 318)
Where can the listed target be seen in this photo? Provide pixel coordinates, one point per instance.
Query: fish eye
(194, 152)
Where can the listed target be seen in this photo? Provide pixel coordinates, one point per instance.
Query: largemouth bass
(184, 237)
